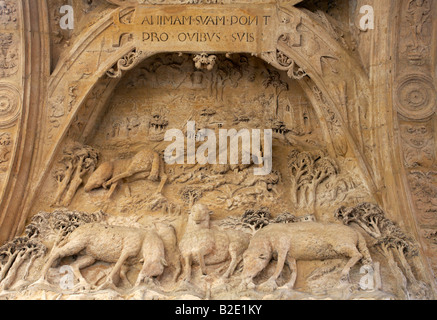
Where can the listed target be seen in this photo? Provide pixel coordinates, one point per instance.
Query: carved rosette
(416, 97)
(10, 105)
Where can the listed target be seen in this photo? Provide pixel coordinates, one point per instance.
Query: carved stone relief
(10, 105)
(5, 150)
(415, 97)
(198, 256)
(8, 13)
(9, 62)
(309, 229)
(418, 15)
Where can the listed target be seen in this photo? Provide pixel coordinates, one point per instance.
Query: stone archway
(303, 45)
(304, 49)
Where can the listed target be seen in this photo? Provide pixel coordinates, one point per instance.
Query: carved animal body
(145, 164)
(172, 254)
(302, 241)
(209, 246)
(113, 244)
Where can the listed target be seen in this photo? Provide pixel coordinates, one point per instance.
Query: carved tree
(77, 160)
(308, 171)
(273, 79)
(24, 249)
(87, 159)
(257, 218)
(390, 240)
(190, 194)
(299, 164)
(322, 170)
(227, 71)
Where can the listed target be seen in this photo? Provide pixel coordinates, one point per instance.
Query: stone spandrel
(201, 28)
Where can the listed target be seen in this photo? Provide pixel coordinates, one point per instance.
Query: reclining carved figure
(145, 164)
(209, 246)
(112, 244)
(301, 241)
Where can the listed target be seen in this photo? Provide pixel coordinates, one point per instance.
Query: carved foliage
(308, 171)
(8, 12)
(127, 62)
(77, 160)
(5, 149)
(418, 144)
(392, 242)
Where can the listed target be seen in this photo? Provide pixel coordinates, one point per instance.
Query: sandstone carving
(418, 13)
(205, 245)
(9, 55)
(111, 244)
(122, 130)
(76, 162)
(9, 105)
(5, 147)
(390, 240)
(146, 163)
(293, 242)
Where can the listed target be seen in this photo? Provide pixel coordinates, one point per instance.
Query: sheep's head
(200, 214)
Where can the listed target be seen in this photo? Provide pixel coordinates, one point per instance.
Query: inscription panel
(206, 29)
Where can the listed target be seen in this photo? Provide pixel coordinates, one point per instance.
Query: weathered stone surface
(93, 95)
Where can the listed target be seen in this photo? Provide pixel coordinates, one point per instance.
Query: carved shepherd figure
(208, 246)
(301, 241)
(112, 244)
(145, 164)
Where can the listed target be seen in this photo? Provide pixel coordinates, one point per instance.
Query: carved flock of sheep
(204, 244)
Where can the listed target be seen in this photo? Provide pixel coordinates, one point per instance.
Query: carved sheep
(208, 246)
(113, 244)
(146, 163)
(301, 241)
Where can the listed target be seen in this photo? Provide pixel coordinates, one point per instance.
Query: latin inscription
(244, 30)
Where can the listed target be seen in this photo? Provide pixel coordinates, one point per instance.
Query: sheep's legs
(270, 284)
(355, 257)
(80, 263)
(187, 267)
(293, 268)
(114, 276)
(234, 262)
(202, 263)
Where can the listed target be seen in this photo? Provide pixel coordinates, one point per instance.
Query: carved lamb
(208, 246)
